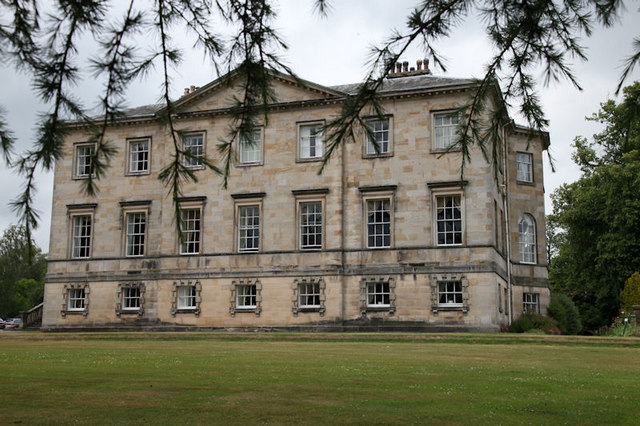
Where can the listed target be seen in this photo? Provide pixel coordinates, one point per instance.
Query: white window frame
(76, 295)
(196, 161)
(242, 229)
(178, 306)
(84, 160)
(458, 304)
(187, 230)
(448, 289)
(187, 296)
(369, 212)
(369, 150)
(524, 167)
(133, 156)
(309, 291)
(307, 228)
(448, 131)
(246, 292)
(125, 294)
(378, 293)
(257, 150)
(130, 234)
(302, 137)
(131, 296)
(527, 239)
(437, 220)
(239, 295)
(70, 304)
(79, 250)
(531, 302)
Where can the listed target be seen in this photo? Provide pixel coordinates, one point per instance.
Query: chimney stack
(186, 91)
(419, 64)
(402, 69)
(405, 66)
(193, 89)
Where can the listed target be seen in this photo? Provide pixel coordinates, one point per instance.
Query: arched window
(527, 232)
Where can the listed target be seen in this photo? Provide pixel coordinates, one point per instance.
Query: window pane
(311, 141)
(449, 220)
(190, 227)
(378, 223)
(81, 239)
(248, 228)
(138, 156)
(445, 128)
(380, 130)
(84, 160)
(194, 145)
(311, 225)
(251, 148)
(136, 227)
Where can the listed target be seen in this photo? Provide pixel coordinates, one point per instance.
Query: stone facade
(398, 242)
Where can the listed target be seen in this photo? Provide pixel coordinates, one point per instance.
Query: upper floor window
(445, 127)
(139, 151)
(84, 160)
(378, 135)
(310, 225)
(524, 165)
(190, 226)
(136, 233)
(527, 239)
(379, 222)
(193, 146)
(249, 228)
(449, 220)
(81, 236)
(251, 148)
(310, 141)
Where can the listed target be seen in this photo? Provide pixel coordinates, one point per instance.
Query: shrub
(562, 309)
(533, 321)
(630, 295)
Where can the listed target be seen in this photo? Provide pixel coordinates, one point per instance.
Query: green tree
(630, 295)
(562, 309)
(525, 35)
(21, 275)
(597, 216)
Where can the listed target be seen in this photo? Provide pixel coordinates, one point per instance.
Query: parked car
(3, 324)
(14, 323)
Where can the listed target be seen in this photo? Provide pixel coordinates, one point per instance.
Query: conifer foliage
(525, 35)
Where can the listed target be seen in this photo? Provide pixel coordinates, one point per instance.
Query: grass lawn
(204, 378)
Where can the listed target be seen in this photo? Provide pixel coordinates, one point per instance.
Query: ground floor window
(449, 292)
(377, 294)
(308, 295)
(75, 299)
(187, 297)
(530, 302)
(130, 298)
(246, 296)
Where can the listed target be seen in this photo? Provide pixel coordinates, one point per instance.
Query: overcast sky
(332, 51)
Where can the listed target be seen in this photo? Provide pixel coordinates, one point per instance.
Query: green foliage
(630, 295)
(623, 326)
(531, 321)
(21, 276)
(597, 216)
(564, 311)
(525, 35)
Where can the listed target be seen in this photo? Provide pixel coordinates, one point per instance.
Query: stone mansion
(385, 238)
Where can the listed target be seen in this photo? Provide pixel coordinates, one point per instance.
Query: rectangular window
(310, 225)
(249, 228)
(309, 295)
(450, 293)
(449, 220)
(139, 156)
(190, 227)
(131, 298)
(246, 296)
(445, 127)
(310, 143)
(379, 223)
(136, 231)
(530, 302)
(76, 299)
(378, 294)
(81, 237)
(193, 146)
(379, 130)
(524, 165)
(187, 297)
(251, 148)
(84, 160)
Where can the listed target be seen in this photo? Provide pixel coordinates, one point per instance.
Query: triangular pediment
(220, 93)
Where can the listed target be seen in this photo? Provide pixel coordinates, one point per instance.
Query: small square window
(378, 294)
(310, 141)
(249, 228)
(131, 298)
(530, 302)
(251, 148)
(136, 232)
(378, 132)
(524, 166)
(445, 128)
(84, 160)
(309, 295)
(139, 156)
(187, 297)
(378, 223)
(81, 236)
(246, 296)
(450, 293)
(190, 226)
(194, 146)
(449, 220)
(76, 299)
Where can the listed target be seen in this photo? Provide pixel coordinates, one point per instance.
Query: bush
(529, 321)
(631, 294)
(562, 309)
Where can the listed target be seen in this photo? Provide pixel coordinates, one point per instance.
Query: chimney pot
(405, 66)
(412, 69)
(419, 64)
(398, 67)
(193, 89)
(186, 90)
